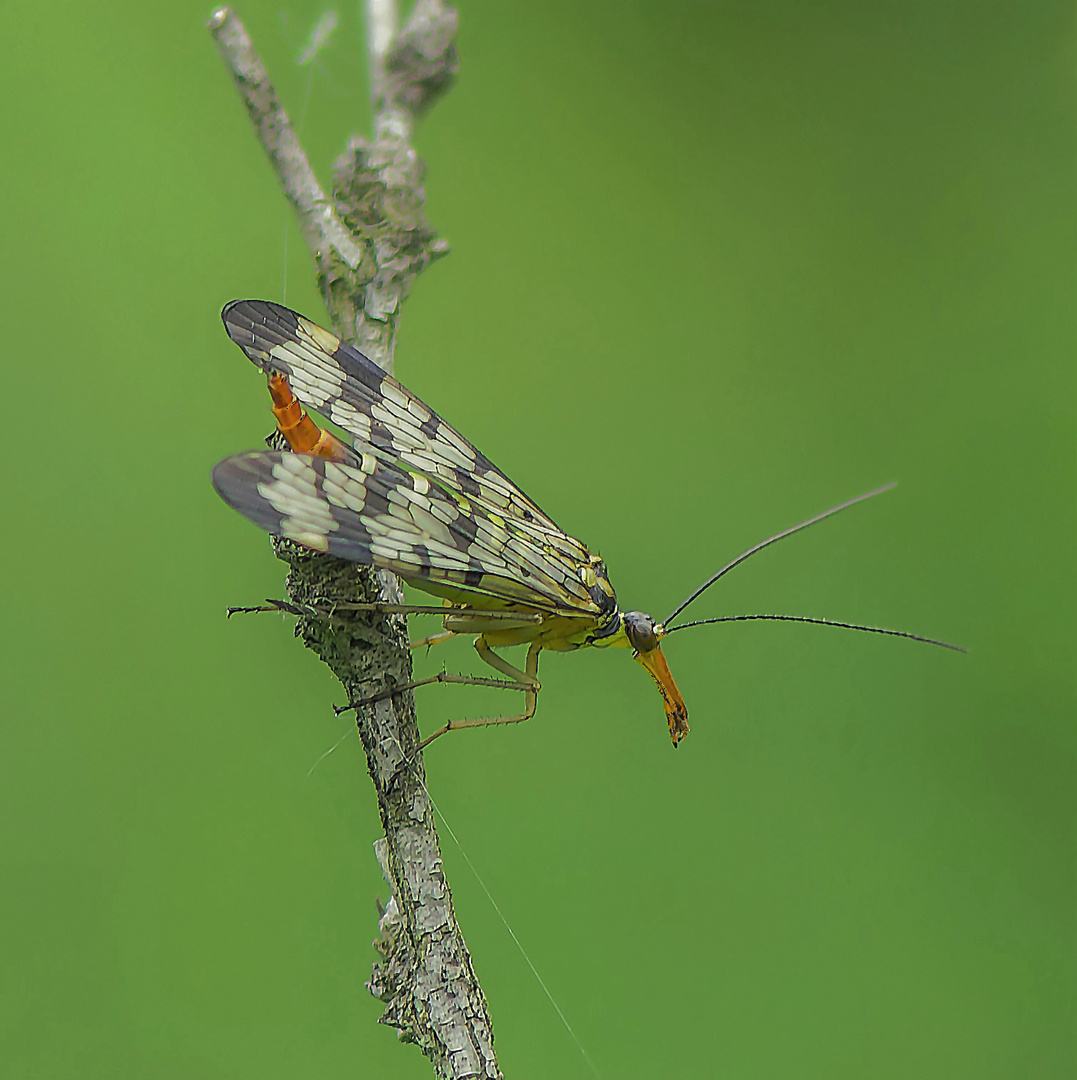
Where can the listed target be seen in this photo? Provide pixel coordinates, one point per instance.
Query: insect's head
(644, 635)
(642, 631)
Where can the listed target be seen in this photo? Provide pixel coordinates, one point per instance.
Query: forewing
(371, 511)
(338, 381)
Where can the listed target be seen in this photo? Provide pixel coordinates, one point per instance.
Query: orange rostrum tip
(654, 661)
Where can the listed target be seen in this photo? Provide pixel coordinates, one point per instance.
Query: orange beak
(676, 711)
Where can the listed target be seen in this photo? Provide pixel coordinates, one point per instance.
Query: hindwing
(373, 512)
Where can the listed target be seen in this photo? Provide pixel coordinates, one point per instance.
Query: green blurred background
(716, 267)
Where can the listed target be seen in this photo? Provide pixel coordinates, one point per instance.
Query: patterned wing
(407, 438)
(373, 512)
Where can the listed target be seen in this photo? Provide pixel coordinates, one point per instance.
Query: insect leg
(508, 619)
(526, 680)
(528, 677)
(434, 639)
(440, 677)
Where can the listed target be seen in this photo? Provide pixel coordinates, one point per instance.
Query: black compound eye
(640, 631)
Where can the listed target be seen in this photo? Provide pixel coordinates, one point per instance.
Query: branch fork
(369, 241)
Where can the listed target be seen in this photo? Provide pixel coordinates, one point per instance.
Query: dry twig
(369, 241)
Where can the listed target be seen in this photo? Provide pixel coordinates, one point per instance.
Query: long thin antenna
(773, 540)
(820, 622)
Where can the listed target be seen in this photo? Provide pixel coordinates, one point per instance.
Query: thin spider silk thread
(489, 896)
(505, 922)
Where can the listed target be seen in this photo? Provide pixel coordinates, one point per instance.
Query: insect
(413, 496)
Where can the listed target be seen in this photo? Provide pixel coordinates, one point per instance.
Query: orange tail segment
(303, 435)
(676, 711)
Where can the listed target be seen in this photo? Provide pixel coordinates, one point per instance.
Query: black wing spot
(467, 483)
(464, 531)
(381, 436)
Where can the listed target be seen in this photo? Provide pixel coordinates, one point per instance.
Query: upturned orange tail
(303, 435)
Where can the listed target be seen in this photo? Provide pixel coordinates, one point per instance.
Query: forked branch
(369, 241)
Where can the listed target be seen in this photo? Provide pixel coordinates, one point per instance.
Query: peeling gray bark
(368, 242)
